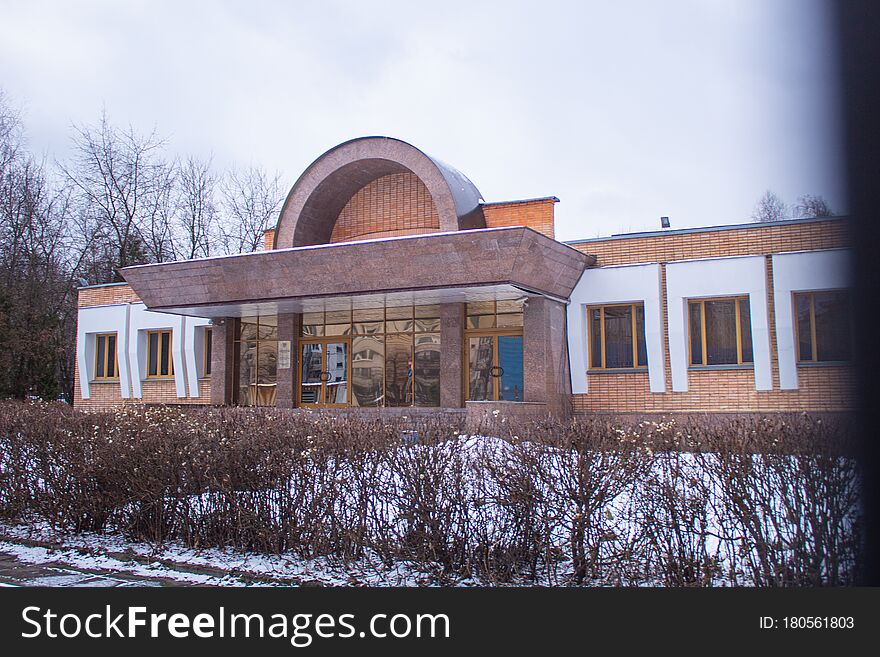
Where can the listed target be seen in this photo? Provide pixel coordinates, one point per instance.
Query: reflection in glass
(336, 373)
(595, 337)
(247, 372)
(425, 325)
(399, 312)
(618, 337)
(510, 360)
(430, 311)
(310, 373)
(509, 321)
(696, 330)
(384, 371)
(745, 329)
(720, 332)
(99, 361)
(399, 326)
(642, 346)
(368, 370)
(480, 358)
(398, 369)
(805, 340)
(427, 369)
(153, 351)
(833, 333)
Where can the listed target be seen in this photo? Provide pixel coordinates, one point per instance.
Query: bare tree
(809, 205)
(197, 211)
(37, 300)
(770, 208)
(124, 190)
(251, 199)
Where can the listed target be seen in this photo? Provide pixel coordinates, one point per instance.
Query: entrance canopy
(471, 265)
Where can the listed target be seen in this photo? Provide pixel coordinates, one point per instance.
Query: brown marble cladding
(451, 355)
(519, 256)
(545, 355)
(288, 329)
(222, 365)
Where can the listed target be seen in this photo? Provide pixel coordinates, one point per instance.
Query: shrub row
(762, 501)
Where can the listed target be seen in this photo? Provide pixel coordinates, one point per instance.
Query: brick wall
(105, 395)
(754, 239)
(396, 204)
(821, 388)
(534, 213)
(106, 295)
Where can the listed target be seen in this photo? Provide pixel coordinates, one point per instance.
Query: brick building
(389, 283)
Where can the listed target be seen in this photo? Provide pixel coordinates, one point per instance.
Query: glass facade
(395, 355)
(256, 356)
(494, 351)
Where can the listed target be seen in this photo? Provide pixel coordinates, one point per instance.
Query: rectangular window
(823, 326)
(105, 356)
(395, 354)
(720, 331)
(617, 336)
(159, 361)
(209, 335)
(255, 359)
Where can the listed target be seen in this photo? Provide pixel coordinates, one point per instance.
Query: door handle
(496, 371)
(325, 377)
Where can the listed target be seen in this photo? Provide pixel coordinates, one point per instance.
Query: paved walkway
(14, 572)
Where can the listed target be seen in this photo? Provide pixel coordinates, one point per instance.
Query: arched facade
(330, 184)
(394, 205)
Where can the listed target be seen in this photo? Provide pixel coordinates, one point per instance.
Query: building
(389, 283)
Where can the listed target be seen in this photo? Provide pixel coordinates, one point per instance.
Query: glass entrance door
(324, 372)
(495, 368)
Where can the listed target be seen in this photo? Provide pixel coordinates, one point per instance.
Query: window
(395, 352)
(494, 344)
(256, 360)
(617, 336)
(159, 361)
(208, 346)
(720, 331)
(105, 356)
(823, 326)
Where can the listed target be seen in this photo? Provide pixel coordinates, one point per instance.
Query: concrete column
(222, 361)
(288, 330)
(451, 355)
(545, 355)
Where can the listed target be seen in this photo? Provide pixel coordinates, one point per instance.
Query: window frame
(159, 333)
(636, 366)
(814, 344)
(703, 341)
(115, 375)
(207, 351)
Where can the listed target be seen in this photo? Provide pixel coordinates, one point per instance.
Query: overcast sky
(624, 110)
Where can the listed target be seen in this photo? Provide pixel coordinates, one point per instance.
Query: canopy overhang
(471, 265)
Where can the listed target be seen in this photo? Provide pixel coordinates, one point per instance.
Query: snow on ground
(109, 552)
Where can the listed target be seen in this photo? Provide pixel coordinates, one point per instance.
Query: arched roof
(320, 193)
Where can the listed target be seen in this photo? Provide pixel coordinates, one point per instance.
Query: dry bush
(686, 502)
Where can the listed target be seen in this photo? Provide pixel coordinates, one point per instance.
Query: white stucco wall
(140, 322)
(801, 272)
(710, 278)
(624, 284)
(194, 352)
(102, 319)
